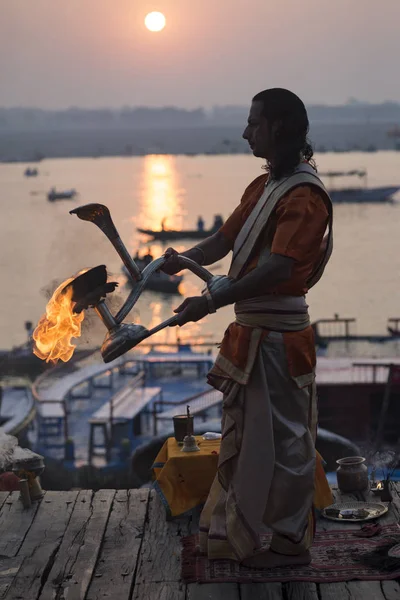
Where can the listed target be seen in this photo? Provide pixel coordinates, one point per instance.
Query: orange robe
(299, 222)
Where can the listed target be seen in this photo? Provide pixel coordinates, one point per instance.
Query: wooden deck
(117, 544)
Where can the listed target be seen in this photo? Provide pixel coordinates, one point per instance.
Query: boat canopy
(357, 172)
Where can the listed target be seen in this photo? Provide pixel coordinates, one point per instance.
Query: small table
(183, 479)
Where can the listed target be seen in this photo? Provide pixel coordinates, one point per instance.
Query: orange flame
(58, 326)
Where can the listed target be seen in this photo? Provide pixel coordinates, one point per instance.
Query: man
(200, 223)
(266, 363)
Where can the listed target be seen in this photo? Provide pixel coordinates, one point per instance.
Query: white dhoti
(267, 461)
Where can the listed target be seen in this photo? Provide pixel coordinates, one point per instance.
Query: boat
(159, 281)
(90, 418)
(65, 195)
(31, 172)
(393, 327)
(17, 408)
(339, 329)
(166, 235)
(96, 414)
(364, 196)
(358, 195)
(393, 332)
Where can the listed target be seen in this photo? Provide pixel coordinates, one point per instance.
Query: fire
(58, 326)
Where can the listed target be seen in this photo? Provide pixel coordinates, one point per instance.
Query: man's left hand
(192, 309)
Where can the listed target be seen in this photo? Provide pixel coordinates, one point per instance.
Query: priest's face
(258, 132)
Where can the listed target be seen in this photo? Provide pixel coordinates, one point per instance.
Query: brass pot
(352, 474)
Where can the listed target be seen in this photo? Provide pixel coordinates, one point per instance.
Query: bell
(189, 441)
(189, 444)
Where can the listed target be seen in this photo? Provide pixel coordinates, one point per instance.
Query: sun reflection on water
(162, 201)
(161, 197)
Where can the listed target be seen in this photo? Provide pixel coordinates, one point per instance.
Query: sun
(155, 21)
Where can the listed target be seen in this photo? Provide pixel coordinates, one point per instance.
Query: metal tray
(376, 510)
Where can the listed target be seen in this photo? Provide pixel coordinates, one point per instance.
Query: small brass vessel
(189, 441)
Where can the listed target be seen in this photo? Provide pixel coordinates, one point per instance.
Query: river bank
(19, 145)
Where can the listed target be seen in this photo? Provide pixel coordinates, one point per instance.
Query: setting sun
(155, 21)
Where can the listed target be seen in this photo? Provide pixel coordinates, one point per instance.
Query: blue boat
(94, 415)
(362, 195)
(31, 172)
(358, 195)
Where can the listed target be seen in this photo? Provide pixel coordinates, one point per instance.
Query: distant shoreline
(28, 146)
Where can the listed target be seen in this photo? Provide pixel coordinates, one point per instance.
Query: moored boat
(31, 172)
(364, 195)
(64, 195)
(165, 235)
(159, 281)
(358, 194)
(17, 408)
(95, 415)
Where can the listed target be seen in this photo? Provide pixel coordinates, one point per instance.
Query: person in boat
(200, 223)
(218, 222)
(281, 238)
(148, 258)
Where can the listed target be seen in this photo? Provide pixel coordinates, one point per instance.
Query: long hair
(288, 124)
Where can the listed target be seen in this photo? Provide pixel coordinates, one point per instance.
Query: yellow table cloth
(183, 479)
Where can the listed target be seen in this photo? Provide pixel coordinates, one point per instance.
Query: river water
(41, 244)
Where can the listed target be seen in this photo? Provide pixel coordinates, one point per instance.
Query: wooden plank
(157, 591)
(3, 498)
(15, 522)
(365, 590)
(213, 591)
(41, 544)
(9, 568)
(299, 590)
(160, 557)
(76, 558)
(261, 591)
(333, 591)
(116, 567)
(391, 590)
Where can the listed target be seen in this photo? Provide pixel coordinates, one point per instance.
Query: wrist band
(210, 302)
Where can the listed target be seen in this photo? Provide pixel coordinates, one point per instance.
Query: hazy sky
(91, 53)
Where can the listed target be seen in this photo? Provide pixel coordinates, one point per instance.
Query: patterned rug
(336, 556)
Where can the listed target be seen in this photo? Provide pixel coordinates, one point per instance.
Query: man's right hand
(171, 265)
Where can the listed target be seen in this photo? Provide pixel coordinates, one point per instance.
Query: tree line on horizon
(142, 117)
